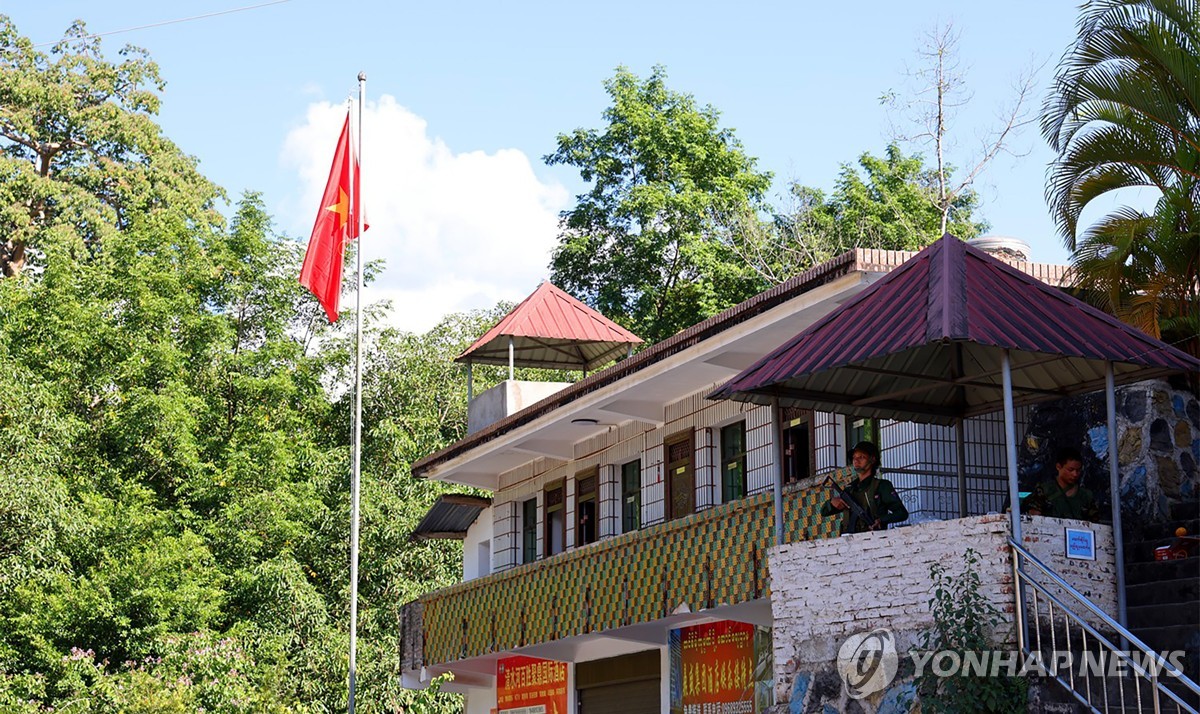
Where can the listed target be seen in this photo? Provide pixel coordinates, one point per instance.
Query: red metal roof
(552, 329)
(927, 341)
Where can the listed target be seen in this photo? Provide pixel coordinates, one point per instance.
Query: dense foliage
(174, 412)
(644, 245)
(1125, 114)
(887, 202)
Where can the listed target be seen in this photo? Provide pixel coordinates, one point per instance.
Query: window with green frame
(733, 462)
(631, 496)
(861, 430)
(529, 531)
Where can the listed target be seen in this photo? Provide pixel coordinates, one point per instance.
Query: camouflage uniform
(878, 498)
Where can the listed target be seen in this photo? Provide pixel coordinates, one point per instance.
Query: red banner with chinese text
(717, 662)
(531, 686)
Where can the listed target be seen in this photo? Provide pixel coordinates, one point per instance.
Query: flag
(336, 225)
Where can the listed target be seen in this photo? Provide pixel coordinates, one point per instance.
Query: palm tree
(1124, 113)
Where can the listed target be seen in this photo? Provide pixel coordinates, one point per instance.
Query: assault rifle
(856, 511)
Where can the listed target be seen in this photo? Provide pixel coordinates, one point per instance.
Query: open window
(799, 457)
(555, 536)
(586, 511)
(733, 462)
(529, 531)
(631, 496)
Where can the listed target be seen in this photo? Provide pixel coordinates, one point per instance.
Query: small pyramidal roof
(551, 329)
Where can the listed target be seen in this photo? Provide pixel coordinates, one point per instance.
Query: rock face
(1158, 446)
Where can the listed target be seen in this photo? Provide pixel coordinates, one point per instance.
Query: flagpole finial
(362, 76)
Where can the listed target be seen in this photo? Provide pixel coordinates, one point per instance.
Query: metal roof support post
(777, 419)
(511, 357)
(960, 446)
(1114, 482)
(1014, 492)
(470, 382)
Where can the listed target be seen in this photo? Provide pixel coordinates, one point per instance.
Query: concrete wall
(508, 397)
(477, 547)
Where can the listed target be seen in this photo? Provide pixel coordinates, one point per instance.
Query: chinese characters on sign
(715, 668)
(527, 685)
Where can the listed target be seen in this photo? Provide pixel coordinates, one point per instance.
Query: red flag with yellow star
(336, 225)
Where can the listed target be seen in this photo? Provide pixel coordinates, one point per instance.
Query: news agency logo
(868, 662)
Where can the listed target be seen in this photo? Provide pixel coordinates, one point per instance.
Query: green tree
(887, 202)
(645, 245)
(80, 154)
(1124, 114)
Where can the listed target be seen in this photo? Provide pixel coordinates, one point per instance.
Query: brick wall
(824, 591)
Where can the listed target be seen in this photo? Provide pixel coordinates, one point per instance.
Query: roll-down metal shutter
(629, 684)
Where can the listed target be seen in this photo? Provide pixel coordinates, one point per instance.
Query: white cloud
(457, 230)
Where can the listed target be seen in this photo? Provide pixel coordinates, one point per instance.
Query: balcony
(716, 557)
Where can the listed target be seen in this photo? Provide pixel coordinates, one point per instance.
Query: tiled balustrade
(710, 558)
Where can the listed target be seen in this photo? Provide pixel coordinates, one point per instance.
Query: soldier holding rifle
(867, 503)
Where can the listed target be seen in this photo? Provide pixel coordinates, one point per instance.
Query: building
(631, 557)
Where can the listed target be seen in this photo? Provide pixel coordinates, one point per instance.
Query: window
(529, 531)
(681, 477)
(631, 496)
(733, 462)
(799, 458)
(585, 507)
(861, 430)
(556, 520)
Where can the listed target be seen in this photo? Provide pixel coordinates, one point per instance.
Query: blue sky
(465, 98)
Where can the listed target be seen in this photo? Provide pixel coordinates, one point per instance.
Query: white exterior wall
(480, 701)
(477, 547)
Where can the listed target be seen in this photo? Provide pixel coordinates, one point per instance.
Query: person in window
(1063, 496)
(877, 496)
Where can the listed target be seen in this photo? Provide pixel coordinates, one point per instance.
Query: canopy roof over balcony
(450, 517)
(926, 343)
(553, 330)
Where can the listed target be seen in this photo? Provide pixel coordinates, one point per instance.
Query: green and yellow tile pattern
(710, 558)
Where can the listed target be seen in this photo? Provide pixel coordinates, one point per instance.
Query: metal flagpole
(356, 203)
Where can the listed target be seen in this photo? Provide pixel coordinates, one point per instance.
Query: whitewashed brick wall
(824, 591)
(1096, 580)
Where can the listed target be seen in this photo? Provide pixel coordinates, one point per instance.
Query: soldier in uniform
(1063, 496)
(877, 496)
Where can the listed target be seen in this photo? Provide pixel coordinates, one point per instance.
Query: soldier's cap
(867, 448)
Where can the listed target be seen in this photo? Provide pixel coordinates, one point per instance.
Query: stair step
(1181, 591)
(1163, 531)
(1163, 616)
(1169, 638)
(1153, 572)
(1185, 510)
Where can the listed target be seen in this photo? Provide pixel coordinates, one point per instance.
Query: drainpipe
(1114, 483)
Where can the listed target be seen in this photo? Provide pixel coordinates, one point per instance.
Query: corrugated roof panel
(950, 304)
(550, 328)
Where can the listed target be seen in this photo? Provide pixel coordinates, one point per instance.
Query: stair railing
(1145, 668)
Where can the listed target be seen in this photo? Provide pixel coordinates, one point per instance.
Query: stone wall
(1158, 446)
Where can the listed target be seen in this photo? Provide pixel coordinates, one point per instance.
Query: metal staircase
(1110, 669)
